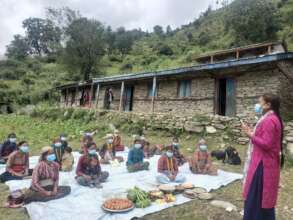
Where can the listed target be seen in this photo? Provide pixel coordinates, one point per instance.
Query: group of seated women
(58, 157)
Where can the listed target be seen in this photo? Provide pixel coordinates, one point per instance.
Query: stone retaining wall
(227, 127)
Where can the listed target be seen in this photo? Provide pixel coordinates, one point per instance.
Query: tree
(85, 46)
(253, 21)
(18, 48)
(43, 36)
(169, 31)
(158, 30)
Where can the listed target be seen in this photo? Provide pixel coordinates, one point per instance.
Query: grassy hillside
(31, 80)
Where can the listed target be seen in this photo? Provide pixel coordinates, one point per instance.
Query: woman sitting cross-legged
(17, 166)
(201, 162)
(117, 141)
(108, 152)
(45, 180)
(89, 171)
(7, 148)
(135, 158)
(67, 160)
(168, 168)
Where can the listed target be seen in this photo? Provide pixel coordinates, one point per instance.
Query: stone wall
(249, 86)
(226, 127)
(286, 90)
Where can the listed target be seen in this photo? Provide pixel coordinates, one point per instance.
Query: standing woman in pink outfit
(264, 160)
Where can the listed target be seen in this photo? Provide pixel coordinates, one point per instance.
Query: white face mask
(203, 147)
(169, 154)
(137, 146)
(63, 138)
(58, 144)
(92, 152)
(110, 141)
(12, 140)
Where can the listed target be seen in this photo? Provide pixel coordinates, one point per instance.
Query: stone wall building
(225, 83)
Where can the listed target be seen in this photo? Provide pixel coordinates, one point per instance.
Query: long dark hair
(275, 106)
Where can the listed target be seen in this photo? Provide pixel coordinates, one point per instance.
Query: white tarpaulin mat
(85, 203)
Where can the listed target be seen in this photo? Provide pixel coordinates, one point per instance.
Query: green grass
(39, 132)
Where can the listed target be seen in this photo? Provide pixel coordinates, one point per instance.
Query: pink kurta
(266, 148)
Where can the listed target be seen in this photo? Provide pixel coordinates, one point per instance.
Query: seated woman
(117, 141)
(45, 180)
(58, 150)
(89, 171)
(86, 140)
(7, 148)
(67, 160)
(108, 152)
(201, 162)
(177, 154)
(17, 166)
(168, 168)
(135, 158)
(147, 149)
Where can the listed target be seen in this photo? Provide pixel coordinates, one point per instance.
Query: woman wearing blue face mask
(45, 179)
(88, 170)
(135, 158)
(108, 152)
(17, 165)
(58, 148)
(7, 148)
(201, 162)
(168, 168)
(177, 154)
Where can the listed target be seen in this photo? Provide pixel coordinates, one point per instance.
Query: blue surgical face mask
(92, 152)
(58, 144)
(24, 149)
(12, 140)
(203, 147)
(258, 109)
(51, 157)
(169, 154)
(137, 146)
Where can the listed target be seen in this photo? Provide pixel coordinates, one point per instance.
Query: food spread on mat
(117, 204)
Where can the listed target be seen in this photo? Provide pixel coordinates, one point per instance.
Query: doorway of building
(225, 97)
(128, 98)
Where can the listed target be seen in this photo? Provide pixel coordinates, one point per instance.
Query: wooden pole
(97, 95)
(121, 96)
(76, 96)
(154, 93)
(212, 59)
(91, 94)
(237, 54)
(66, 97)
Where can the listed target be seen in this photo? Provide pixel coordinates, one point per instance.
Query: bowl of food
(117, 205)
(189, 194)
(187, 185)
(167, 188)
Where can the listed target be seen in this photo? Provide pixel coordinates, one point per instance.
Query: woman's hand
(47, 193)
(247, 130)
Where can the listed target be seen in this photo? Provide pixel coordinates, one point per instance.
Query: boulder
(220, 126)
(243, 140)
(211, 129)
(225, 205)
(290, 148)
(193, 127)
(289, 139)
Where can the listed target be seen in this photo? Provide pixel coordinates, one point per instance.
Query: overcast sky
(128, 13)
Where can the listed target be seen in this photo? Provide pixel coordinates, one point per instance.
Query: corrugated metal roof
(194, 69)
